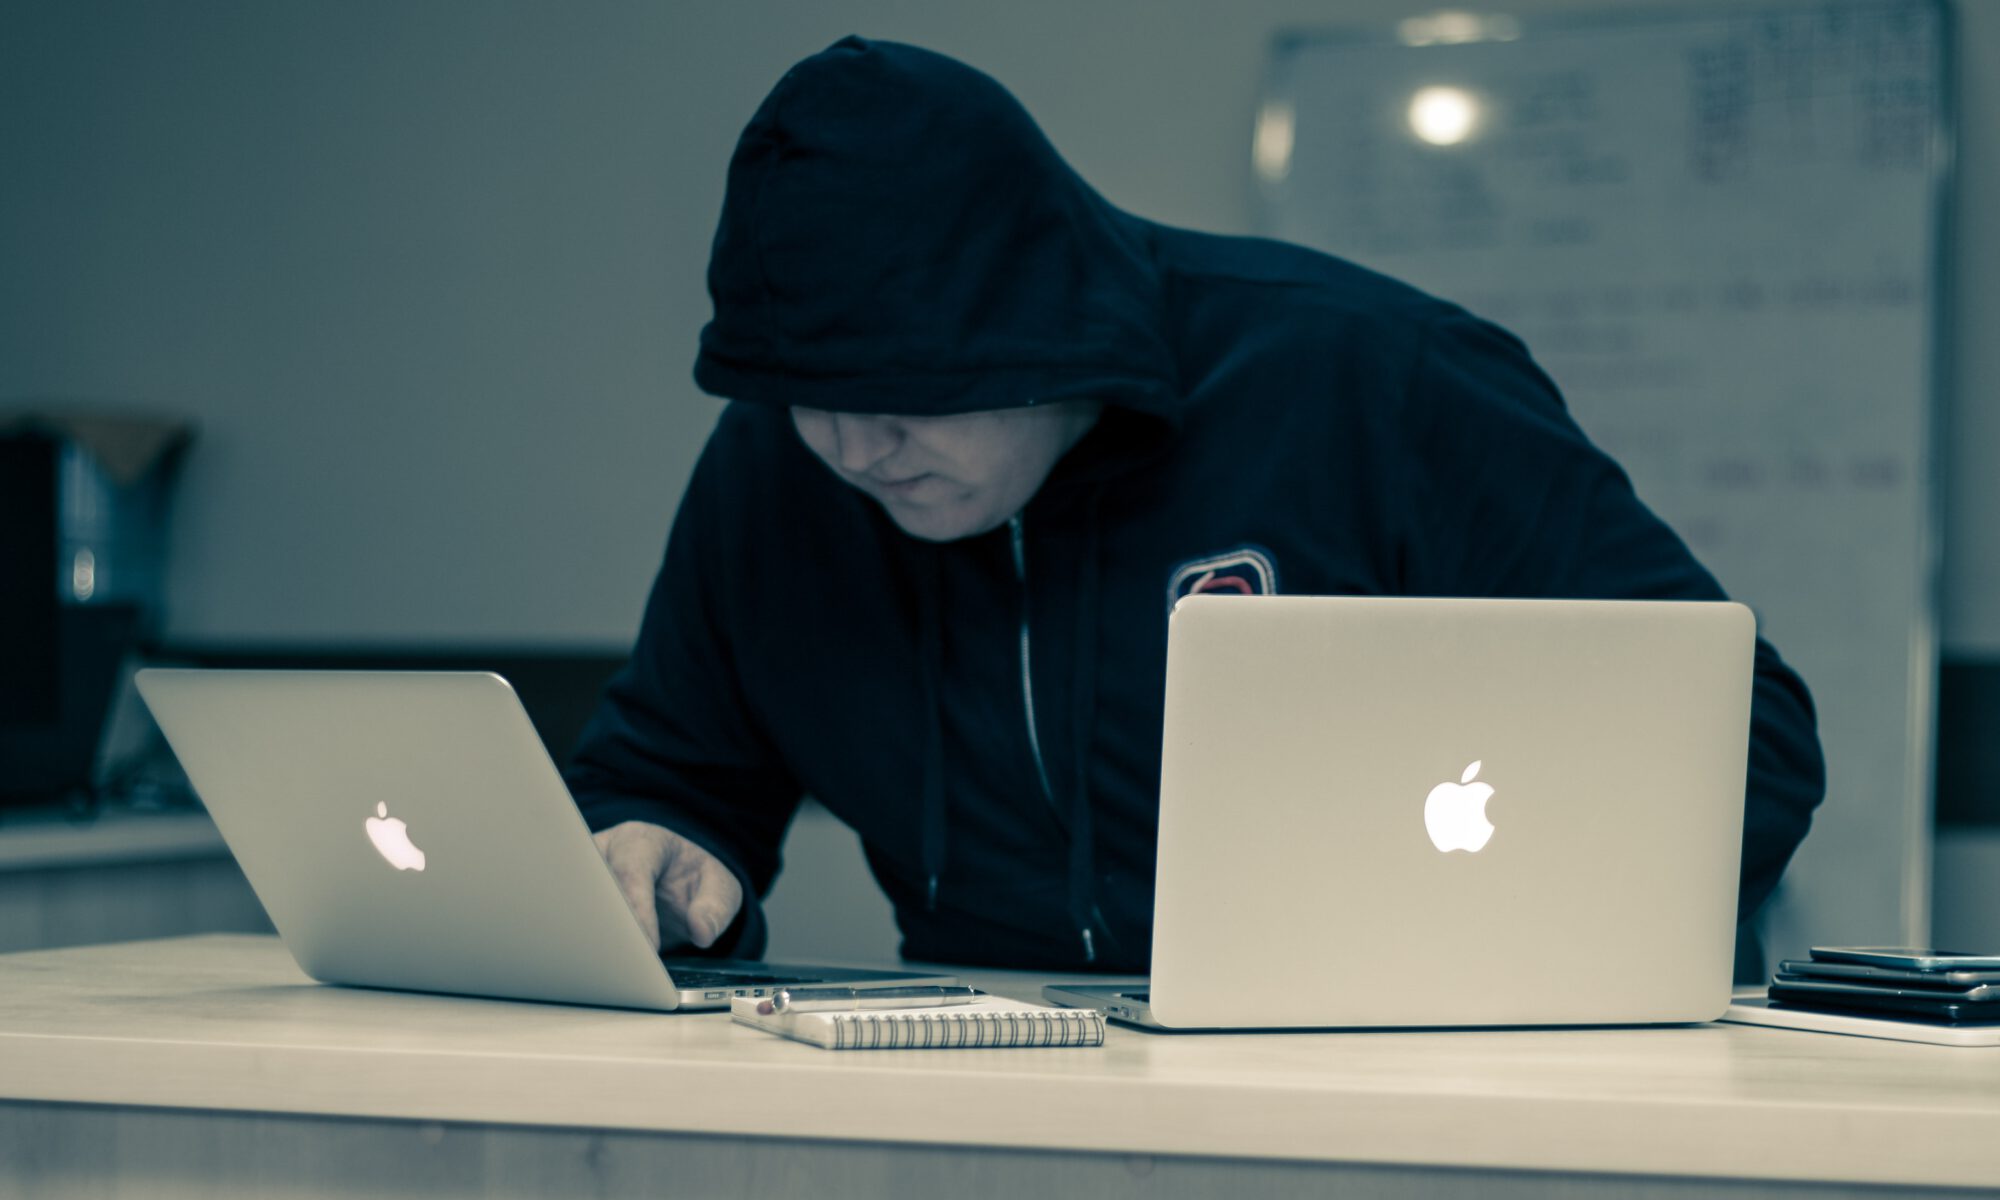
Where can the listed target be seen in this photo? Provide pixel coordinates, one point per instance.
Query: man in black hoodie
(986, 428)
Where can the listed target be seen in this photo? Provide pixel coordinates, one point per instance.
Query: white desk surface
(228, 1023)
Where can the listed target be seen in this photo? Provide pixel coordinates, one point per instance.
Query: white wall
(1971, 585)
(430, 275)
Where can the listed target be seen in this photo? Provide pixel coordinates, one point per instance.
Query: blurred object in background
(83, 507)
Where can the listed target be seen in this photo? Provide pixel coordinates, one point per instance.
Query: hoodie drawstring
(1082, 851)
(930, 650)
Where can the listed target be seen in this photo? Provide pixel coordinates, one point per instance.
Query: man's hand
(678, 890)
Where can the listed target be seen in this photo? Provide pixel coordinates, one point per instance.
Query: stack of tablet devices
(1944, 986)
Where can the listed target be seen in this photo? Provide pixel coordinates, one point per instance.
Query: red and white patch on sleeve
(1244, 571)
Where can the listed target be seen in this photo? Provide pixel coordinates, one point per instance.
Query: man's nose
(862, 440)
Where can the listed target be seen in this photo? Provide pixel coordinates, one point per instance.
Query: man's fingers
(713, 906)
(677, 890)
(635, 871)
(697, 893)
(638, 889)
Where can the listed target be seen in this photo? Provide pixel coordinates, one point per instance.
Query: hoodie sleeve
(673, 741)
(1511, 499)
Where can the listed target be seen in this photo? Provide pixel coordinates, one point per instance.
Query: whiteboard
(1719, 233)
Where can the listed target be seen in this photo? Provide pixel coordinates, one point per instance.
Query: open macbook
(1424, 812)
(407, 830)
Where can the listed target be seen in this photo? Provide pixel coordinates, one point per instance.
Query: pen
(830, 999)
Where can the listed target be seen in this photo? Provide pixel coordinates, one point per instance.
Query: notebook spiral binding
(946, 1029)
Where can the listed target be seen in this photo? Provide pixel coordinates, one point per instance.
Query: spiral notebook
(988, 1022)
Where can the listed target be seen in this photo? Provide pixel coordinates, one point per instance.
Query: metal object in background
(83, 510)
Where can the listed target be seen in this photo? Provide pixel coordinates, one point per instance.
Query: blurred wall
(430, 275)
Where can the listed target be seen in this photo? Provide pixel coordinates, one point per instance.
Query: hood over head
(898, 236)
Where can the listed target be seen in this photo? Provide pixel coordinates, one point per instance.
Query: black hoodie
(899, 237)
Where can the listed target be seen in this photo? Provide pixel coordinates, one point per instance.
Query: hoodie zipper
(1020, 543)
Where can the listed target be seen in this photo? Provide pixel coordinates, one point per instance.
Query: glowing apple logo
(392, 840)
(1455, 814)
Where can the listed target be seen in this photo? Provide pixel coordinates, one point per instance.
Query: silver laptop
(407, 830)
(1415, 812)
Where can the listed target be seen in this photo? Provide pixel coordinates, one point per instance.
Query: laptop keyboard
(730, 979)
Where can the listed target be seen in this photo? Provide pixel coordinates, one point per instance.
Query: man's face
(944, 478)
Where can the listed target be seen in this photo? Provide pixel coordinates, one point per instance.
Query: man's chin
(941, 525)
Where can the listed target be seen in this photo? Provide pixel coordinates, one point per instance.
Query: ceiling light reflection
(1271, 150)
(1444, 116)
